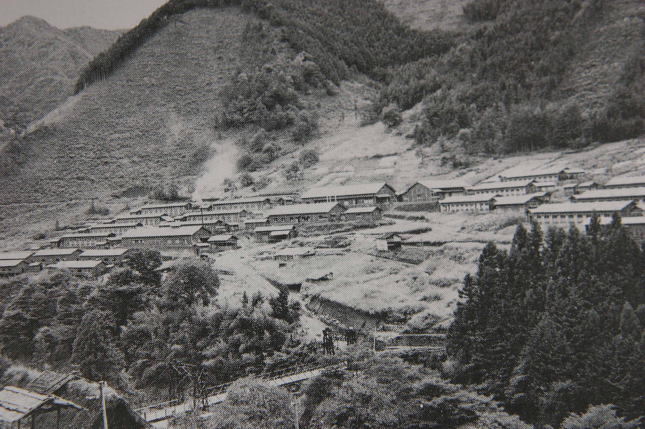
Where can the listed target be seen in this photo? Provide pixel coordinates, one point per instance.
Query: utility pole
(103, 410)
(296, 424)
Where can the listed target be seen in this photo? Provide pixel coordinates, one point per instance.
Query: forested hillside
(555, 324)
(536, 74)
(39, 65)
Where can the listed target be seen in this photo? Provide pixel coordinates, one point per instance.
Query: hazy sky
(107, 14)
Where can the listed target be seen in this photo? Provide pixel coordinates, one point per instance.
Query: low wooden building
(564, 215)
(24, 255)
(249, 204)
(625, 182)
(370, 214)
(183, 237)
(252, 224)
(504, 189)
(546, 186)
(275, 233)
(90, 268)
(222, 242)
(51, 256)
(114, 256)
(113, 228)
(13, 267)
(615, 194)
(306, 213)
(143, 219)
(520, 203)
(208, 216)
(369, 194)
(88, 240)
(22, 408)
(432, 190)
(548, 174)
(169, 209)
(468, 203)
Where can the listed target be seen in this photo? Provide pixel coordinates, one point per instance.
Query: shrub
(309, 158)
(305, 126)
(246, 180)
(97, 209)
(293, 172)
(392, 117)
(249, 162)
(165, 192)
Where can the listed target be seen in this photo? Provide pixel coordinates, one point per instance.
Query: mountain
(430, 14)
(39, 64)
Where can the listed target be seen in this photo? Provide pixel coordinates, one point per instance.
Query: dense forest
(555, 324)
(137, 331)
(499, 89)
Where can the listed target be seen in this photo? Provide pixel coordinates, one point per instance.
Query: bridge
(159, 414)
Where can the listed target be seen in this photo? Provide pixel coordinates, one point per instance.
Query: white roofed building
(18, 254)
(547, 174)
(144, 219)
(564, 215)
(249, 204)
(520, 203)
(625, 182)
(12, 267)
(371, 214)
(306, 213)
(369, 194)
(114, 228)
(432, 190)
(468, 203)
(182, 237)
(516, 187)
(169, 209)
(222, 242)
(49, 256)
(615, 194)
(209, 216)
(87, 240)
(114, 256)
(275, 233)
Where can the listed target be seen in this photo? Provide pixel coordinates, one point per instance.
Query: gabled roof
(481, 198)
(622, 181)
(56, 252)
(103, 253)
(248, 200)
(636, 193)
(137, 216)
(17, 403)
(89, 235)
(165, 206)
(180, 231)
(345, 190)
(443, 184)
(213, 212)
(359, 210)
(275, 228)
(302, 209)
(15, 255)
(115, 225)
(279, 233)
(545, 171)
(89, 264)
(586, 207)
(10, 263)
(501, 185)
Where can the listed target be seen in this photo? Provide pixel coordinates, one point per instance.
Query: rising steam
(221, 166)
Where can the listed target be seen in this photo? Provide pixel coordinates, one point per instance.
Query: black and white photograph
(322, 214)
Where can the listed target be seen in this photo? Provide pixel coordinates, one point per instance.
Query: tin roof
(102, 253)
(622, 181)
(359, 210)
(302, 209)
(636, 193)
(468, 199)
(179, 231)
(221, 237)
(345, 190)
(15, 255)
(517, 199)
(55, 252)
(275, 228)
(165, 206)
(501, 185)
(62, 265)
(10, 263)
(586, 207)
(443, 184)
(17, 403)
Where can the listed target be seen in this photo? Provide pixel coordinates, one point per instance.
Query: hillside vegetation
(549, 73)
(40, 63)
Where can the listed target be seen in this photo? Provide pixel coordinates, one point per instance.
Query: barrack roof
(212, 212)
(20, 254)
(636, 192)
(221, 237)
(164, 206)
(501, 185)
(468, 199)
(443, 184)
(517, 199)
(545, 171)
(9, 263)
(586, 207)
(55, 252)
(302, 209)
(75, 264)
(245, 200)
(102, 253)
(344, 190)
(179, 231)
(630, 180)
(17, 403)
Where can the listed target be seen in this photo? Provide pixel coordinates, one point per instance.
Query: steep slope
(39, 65)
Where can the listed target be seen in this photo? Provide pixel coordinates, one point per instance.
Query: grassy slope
(429, 14)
